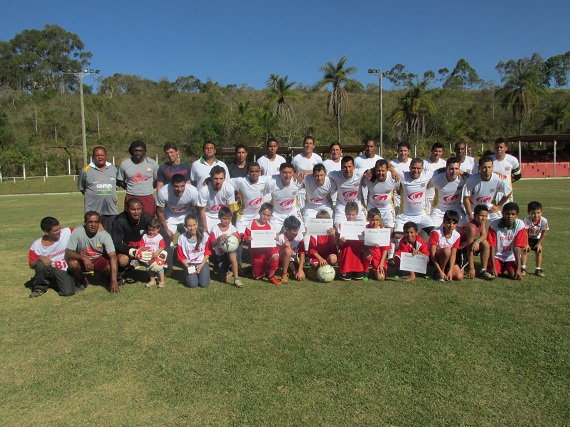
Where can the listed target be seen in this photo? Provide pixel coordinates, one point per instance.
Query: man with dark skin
(91, 250)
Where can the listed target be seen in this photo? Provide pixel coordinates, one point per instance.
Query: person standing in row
(171, 167)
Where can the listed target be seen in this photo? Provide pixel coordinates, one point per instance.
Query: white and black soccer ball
(230, 245)
(326, 273)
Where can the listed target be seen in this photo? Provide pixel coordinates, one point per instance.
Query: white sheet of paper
(263, 239)
(377, 235)
(318, 226)
(411, 262)
(352, 230)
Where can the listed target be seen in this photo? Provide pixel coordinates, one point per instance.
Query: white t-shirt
(485, 192)
(447, 193)
(413, 193)
(330, 165)
(55, 252)
(270, 167)
(251, 195)
(302, 163)
(201, 170)
(469, 165)
(284, 198)
(317, 196)
(432, 167)
(176, 208)
(214, 200)
(363, 162)
(534, 231)
(507, 167)
(381, 194)
(215, 232)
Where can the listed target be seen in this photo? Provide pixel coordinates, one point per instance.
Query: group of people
(464, 208)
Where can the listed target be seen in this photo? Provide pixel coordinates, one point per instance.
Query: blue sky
(244, 42)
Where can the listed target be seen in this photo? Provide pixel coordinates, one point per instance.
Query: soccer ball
(230, 245)
(326, 273)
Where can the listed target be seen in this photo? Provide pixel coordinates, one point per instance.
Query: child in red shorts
(375, 256)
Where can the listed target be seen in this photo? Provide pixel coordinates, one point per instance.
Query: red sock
(273, 265)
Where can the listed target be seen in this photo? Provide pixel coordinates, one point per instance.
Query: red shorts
(510, 267)
(325, 255)
(99, 264)
(260, 261)
(148, 203)
(376, 258)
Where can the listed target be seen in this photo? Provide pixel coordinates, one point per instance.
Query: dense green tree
(557, 70)
(462, 77)
(36, 59)
(336, 75)
(523, 85)
(279, 88)
(557, 117)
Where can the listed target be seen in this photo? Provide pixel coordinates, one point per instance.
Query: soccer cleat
(391, 262)
(539, 272)
(150, 284)
(274, 280)
(162, 285)
(487, 276)
(36, 294)
(285, 278)
(238, 283)
(523, 272)
(346, 276)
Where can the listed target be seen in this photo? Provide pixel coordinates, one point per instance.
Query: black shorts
(532, 243)
(462, 258)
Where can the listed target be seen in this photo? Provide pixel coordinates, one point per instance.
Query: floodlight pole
(83, 132)
(379, 74)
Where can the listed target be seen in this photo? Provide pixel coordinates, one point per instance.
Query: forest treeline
(40, 106)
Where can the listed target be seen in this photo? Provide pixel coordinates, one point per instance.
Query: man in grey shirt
(98, 183)
(138, 176)
(91, 250)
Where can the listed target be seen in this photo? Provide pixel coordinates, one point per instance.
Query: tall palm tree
(557, 116)
(521, 91)
(279, 88)
(336, 75)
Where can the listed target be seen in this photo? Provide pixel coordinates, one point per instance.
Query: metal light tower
(80, 74)
(379, 74)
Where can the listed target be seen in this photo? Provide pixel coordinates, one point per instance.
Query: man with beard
(212, 196)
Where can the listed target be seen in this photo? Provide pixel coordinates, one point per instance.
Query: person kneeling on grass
(443, 244)
(91, 250)
(536, 226)
(376, 255)
(411, 243)
(291, 250)
(474, 242)
(264, 261)
(194, 252)
(227, 262)
(350, 264)
(323, 249)
(507, 238)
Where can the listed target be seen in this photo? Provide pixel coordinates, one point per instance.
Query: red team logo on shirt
(216, 208)
(416, 197)
(380, 197)
(483, 199)
(451, 198)
(316, 201)
(255, 202)
(138, 178)
(286, 204)
(350, 196)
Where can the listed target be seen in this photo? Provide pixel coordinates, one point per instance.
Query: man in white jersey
(202, 167)
(466, 163)
(433, 163)
(318, 187)
(212, 196)
(270, 161)
(401, 164)
(381, 188)
(47, 259)
(366, 161)
(505, 165)
(485, 188)
(347, 182)
(333, 164)
(175, 200)
(413, 188)
(304, 162)
(447, 189)
(250, 189)
(283, 189)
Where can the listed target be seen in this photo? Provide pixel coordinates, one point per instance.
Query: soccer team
(464, 207)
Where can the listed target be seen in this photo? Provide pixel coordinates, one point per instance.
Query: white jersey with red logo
(176, 208)
(448, 196)
(55, 252)
(432, 167)
(505, 239)
(507, 167)
(215, 232)
(437, 237)
(469, 165)
(485, 192)
(302, 163)
(283, 197)
(270, 167)
(191, 250)
(317, 195)
(152, 243)
(413, 193)
(534, 230)
(381, 194)
(348, 190)
(214, 200)
(297, 246)
(251, 195)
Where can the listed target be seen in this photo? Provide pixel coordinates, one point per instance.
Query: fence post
(69, 166)
(23, 171)
(47, 174)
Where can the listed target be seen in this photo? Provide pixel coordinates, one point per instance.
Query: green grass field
(387, 353)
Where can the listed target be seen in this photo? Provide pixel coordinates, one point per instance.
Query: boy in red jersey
(536, 227)
(507, 238)
(322, 249)
(375, 255)
(291, 251)
(411, 243)
(350, 264)
(264, 261)
(443, 244)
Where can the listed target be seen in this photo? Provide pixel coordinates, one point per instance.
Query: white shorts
(242, 223)
(277, 222)
(387, 218)
(437, 217)
(422, 221)
(311, 212)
